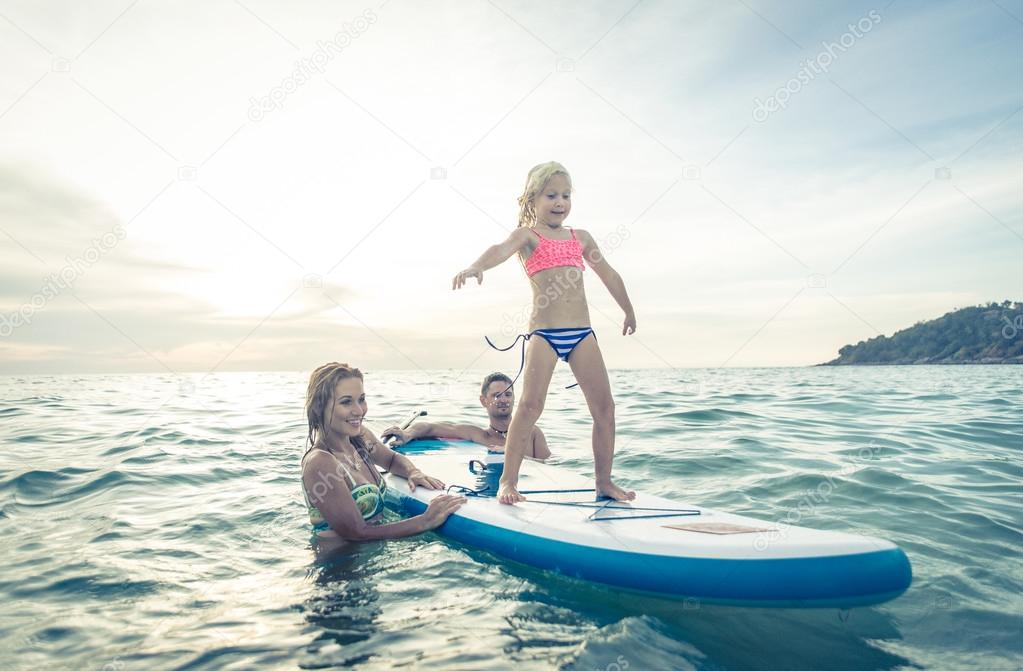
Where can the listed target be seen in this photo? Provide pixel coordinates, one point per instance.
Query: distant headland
(982, 334)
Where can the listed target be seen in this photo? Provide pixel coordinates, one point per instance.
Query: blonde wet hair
(322, 383)
(537, 179)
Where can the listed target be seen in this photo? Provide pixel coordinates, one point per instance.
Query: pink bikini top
(554, 253)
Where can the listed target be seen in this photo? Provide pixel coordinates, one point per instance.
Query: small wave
(709, 415)
(28, 438)
(41, 489)
(997, 401)
(42, 399)
(935, 397)
(36, 482)
(745, 396)
(119, 449)
(747, 443)
(635, 643)
(96, 586)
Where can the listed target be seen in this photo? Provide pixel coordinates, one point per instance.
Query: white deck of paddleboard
(646, 536)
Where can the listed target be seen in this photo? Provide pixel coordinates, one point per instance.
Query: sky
(261, 185)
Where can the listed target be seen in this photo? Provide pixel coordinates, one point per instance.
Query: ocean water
(156, 522)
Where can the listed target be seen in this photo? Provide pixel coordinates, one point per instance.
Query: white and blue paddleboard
(652, 544)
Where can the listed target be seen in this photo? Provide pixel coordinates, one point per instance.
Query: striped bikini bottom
(564, 340)
(561, 340)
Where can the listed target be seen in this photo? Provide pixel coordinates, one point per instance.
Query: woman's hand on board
(440, 509)
(417, 477)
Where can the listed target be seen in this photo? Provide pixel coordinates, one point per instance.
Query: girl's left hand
(630, 324)
(417, 477)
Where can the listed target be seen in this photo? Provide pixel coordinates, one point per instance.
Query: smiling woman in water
(343, 490)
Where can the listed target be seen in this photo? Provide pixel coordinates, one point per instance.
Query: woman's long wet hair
(320, 393)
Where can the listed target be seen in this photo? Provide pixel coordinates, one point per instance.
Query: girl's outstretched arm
(610, 277)
(494, 256)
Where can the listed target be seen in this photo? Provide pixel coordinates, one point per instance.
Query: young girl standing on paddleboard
(552, 255)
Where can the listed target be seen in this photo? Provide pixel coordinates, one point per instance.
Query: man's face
(499, 399)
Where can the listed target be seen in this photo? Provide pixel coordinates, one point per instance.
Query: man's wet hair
(494, 377)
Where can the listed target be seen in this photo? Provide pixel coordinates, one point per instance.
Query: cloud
(47, 217)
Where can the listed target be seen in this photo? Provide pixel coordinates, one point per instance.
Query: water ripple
(155, 521)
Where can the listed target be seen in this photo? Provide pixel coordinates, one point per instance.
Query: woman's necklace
(350, 459)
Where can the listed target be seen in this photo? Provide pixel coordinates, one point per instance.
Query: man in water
(498, 397)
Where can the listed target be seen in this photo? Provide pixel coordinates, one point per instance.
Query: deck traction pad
(714, 528)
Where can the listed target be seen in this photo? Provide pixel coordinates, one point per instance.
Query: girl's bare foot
(615, 492)
(509, 494)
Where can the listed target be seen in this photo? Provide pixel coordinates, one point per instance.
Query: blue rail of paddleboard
(840, 581)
